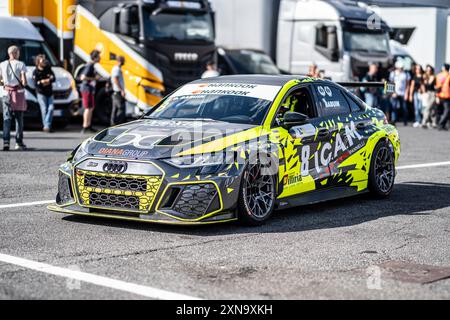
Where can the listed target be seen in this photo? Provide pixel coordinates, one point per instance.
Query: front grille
(62, 95)
(116, 191)
(115, 183)
(114, 201)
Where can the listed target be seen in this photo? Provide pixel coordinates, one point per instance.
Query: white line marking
(424, 165)
(26, 204)
(141, 290)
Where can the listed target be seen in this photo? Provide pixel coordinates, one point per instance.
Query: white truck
(341, 37)
(20, 32)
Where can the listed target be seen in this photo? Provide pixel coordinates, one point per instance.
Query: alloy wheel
(259, 191)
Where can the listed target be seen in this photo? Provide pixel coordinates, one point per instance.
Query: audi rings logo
(115, 167)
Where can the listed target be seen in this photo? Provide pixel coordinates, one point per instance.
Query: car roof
(273, 80)
(18, 28)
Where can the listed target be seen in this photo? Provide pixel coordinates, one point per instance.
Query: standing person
(428, 97)
(44, 78)
(13, 76)
(322, 74)
(443, 89)
(313, 71)
(372, 96)
(89, 78)
(400, 96)
(118, 98)
(415, 94)
(211, 70)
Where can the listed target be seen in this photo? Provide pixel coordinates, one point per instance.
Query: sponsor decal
(292, 179)
(326, 93)
(92, 164)
(123, 152)
(338, 150)
(265, 92)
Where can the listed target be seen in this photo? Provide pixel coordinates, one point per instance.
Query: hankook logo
(115, 167)
(186, 56)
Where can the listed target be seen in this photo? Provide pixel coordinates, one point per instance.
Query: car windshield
(369, 42)
(251, 62)
(178, 26)
(226, 108)
(29, 49)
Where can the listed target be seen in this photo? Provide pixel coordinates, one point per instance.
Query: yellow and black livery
(236, 147)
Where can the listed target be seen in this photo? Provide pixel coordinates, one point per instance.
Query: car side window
(355, 103)
(298, 100)
(331, 100)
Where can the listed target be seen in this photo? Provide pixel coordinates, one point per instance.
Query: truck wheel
(257, 196)
(382, 170)
(103, 107)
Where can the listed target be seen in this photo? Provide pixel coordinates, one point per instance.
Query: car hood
(159, 139)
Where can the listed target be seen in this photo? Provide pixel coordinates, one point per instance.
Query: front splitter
(58, 209)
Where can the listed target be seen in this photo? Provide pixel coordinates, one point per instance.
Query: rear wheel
(382, 170)
(257, 196)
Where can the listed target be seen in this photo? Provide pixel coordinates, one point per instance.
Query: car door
(300, 166)
(345, 128)
(358, 129)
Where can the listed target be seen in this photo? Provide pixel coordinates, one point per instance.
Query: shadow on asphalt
(411, 198)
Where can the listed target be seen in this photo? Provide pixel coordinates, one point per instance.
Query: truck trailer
(165, 43)
(341, 37)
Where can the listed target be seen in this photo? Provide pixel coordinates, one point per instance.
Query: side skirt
(317, 197)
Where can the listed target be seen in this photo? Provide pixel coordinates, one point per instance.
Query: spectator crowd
(420, 94)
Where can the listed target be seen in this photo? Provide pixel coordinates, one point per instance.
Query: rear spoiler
(388, 87)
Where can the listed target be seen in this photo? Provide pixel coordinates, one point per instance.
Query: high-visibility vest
(443, 83)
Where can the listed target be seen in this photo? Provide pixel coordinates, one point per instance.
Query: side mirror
(292, 119)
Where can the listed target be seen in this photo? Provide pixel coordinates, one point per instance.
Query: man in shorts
(89, 78)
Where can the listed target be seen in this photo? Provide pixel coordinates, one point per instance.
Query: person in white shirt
(400, 96)
(118, 98)
(211, 71)
(14, 81)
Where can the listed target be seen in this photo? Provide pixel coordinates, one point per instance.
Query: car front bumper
(149, 191)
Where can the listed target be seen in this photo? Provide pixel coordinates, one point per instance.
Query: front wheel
(257, 196)
(382, 170)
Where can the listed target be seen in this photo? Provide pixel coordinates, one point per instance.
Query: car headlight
(153, 91)
(195, 161)
(79, 153)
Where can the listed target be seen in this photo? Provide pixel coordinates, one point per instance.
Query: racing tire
(256, 197)
(382, 170)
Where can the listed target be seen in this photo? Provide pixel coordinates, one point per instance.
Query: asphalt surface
(325, 251)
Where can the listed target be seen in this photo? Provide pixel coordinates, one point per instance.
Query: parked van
(20, 32)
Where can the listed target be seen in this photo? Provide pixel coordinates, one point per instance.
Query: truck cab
(20, 32)
(165, 43)
(341, 37)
